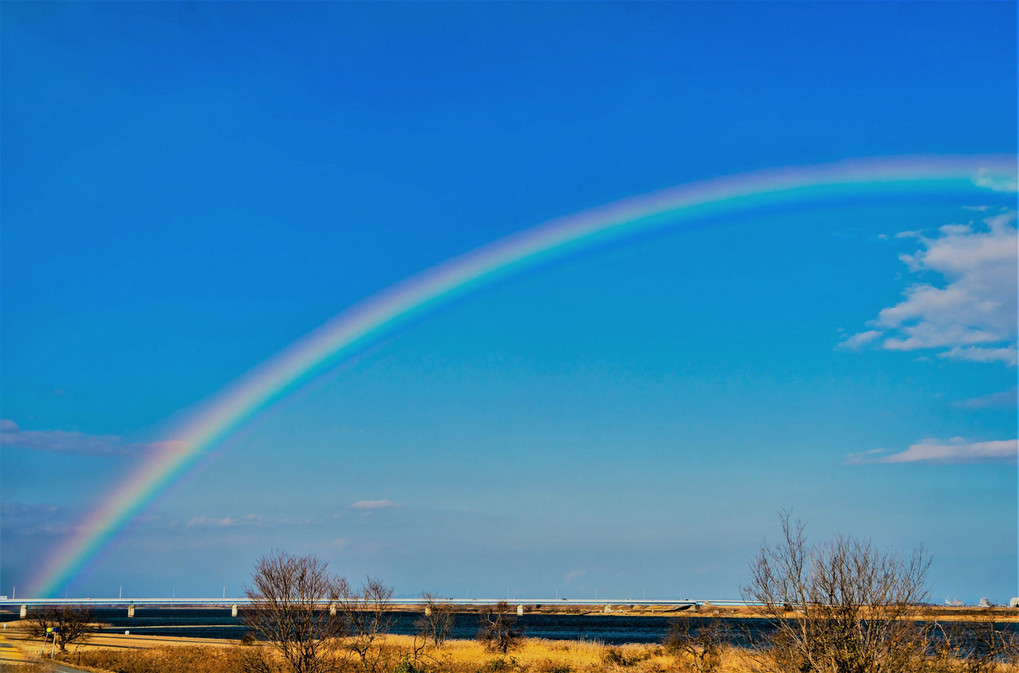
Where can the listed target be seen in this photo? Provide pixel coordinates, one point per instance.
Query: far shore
(942, 613)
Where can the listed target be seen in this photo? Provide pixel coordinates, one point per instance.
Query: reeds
(165, 659)
(404, 654)
(400, 654)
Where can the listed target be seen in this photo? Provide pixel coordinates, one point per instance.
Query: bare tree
(700, 645)
(288, 598)
(498, 629)
(840, 607)
(437, 621)
(65, 624)
(369, 617)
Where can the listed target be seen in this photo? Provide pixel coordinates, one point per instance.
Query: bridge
(466, 602)
(234, 603)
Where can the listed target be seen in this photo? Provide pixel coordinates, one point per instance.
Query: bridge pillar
(233, 610)
(332, 609)
(520, 611)
(428, 611)
(130, 610)
(24, 611)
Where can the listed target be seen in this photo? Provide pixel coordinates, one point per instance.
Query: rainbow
(367, 322)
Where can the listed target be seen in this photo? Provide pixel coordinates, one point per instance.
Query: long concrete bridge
(211, 602)
(234, 603)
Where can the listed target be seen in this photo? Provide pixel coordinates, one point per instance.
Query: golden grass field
(130, 654)
(105, 653)
(460, 656)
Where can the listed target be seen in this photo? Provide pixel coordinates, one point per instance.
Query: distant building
(1014, 603)
(984, 602)
(954, 604)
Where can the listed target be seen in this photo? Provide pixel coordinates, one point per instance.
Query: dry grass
(399, 654)
(543, 656)
(456, 656)
(166, 659)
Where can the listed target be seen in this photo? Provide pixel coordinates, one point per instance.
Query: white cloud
(955, 450)
(373, 504)
(998, 183)
(972, 313)
(62, 441)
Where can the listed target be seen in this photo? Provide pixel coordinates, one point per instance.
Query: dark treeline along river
(608, 629)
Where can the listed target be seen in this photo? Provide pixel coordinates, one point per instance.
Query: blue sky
(189, 188)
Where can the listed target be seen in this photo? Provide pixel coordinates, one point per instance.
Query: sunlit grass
(406, 654)
(403, 653)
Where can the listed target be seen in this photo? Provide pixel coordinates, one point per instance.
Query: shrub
(407, 665)
(700, 646)
(498, 629)
(550, 666)
(616, 657)
(500, 664)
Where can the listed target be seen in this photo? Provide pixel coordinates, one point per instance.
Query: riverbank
(109, 653)
(21, 654)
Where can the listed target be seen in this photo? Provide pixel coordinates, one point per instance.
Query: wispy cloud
(971, 315)
(369, 505)
(23, 519)
(955, 450)
(212, 522)
(573, 575)
(1006, 354)
(248, 521)
(1007, 399)
(996, 183)
(862, 339)
(71, 442)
